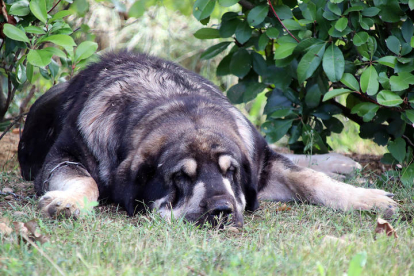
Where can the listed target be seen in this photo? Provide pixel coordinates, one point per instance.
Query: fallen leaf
(282, 208)
(7, 190)
(29, 232)
(385, 226)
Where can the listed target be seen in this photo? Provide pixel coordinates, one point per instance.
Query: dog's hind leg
(285, 181)
(68, 188)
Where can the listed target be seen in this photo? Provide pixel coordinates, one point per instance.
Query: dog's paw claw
(60, 203)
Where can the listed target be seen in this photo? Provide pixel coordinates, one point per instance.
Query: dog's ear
(125, 186)
(250, 186)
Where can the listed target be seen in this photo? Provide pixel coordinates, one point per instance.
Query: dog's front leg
(286, 181)
(66, 186)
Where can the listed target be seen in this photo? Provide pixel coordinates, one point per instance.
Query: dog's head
(201, 175)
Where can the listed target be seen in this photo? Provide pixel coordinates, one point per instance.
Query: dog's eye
(230, 171)
(179, 177)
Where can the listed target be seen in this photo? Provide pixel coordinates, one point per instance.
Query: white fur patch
(191, 205)
(225, 161)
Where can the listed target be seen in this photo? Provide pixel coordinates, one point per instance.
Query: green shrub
(313, 51)
(37, 46)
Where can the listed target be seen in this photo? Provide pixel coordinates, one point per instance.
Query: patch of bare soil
(8, 151)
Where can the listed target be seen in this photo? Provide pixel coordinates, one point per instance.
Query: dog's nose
(221, 207)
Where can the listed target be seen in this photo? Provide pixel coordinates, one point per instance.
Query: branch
(284, 27)
(15, 121)
(347, 113)
(54, 6)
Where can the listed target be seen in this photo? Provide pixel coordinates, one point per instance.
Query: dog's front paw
(61, 203)
(372, 199)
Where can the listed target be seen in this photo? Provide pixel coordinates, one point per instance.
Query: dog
(145, 133)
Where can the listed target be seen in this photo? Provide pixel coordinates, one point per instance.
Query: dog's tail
(41, 129)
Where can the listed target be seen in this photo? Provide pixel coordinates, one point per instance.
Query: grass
(290, 242)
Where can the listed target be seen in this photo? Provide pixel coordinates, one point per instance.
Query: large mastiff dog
(145, 133)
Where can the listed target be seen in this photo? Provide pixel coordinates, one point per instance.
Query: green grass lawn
(305, 240)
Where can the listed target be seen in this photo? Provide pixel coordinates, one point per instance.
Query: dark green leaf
(407, 30)
(207, 33)
(85, 50)
(62, 14)
(224, 66)
(310, 61)
(282, 113)
(334, 125)
(350, 81)
(369, 81)
(366, 110)
(262, 42)
(391, 12)
(313, 96)
(252, 90)
(334, 8)
(34, 30)
(272, 33)
(388, 61)
(235, 93)
(243, 32)
(65, 41)
(388, 98)
(276, 100)
(333, 63)
(410, 115)
(38, 8)
(241, 63)
(276, 129)
(257, 15)
(214, 50)
(402, 81)
(384, 80)
(283, 11)
(29, 72)
(227, 3)
(329, 15)
(360, 38)
(20, 8)
(393, 44)
(284, 50)
(15, 33)
(341, 24)
(334, 93)
(397, 149)
(203, 8)
(371, 11)
(292, 25)
(39, 58)
(259, 64)
(228, 28)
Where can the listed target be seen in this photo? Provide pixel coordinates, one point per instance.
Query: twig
(284, 27)
(16, 119)
(27, 99)
(408, 140)
(54, 6)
